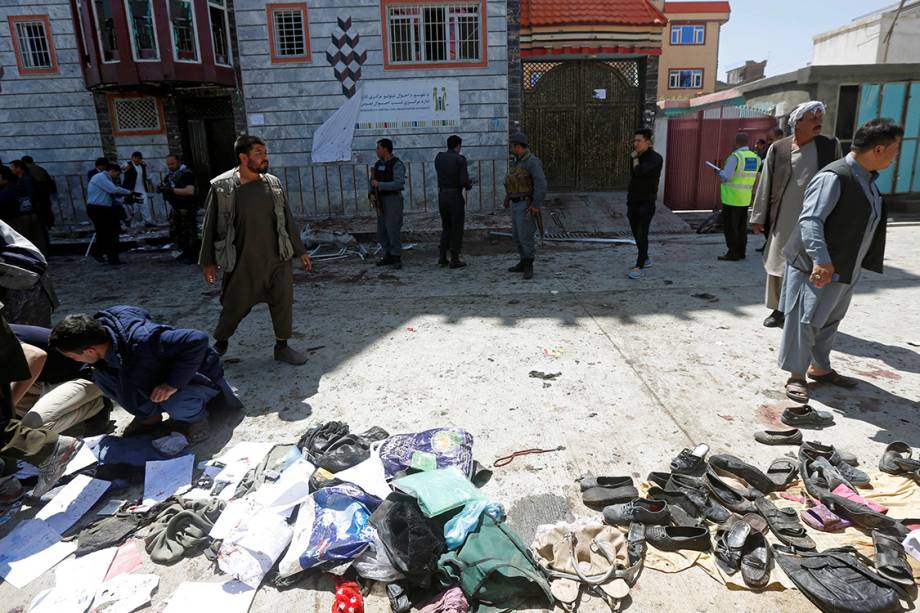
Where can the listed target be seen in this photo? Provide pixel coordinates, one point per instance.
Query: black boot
(519, 267)
(397, 262)
(442, 258)
(528, 269)
(776, 319)
(385, 260)
(455, 261)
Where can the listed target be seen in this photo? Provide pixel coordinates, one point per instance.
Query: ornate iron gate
(580, 117)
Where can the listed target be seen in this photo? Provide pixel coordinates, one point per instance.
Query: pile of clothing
(725, 509)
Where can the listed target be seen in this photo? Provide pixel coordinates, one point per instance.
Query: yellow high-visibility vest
(739, 189)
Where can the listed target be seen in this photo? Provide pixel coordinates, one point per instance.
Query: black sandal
(890, 560)
(785, 524)
(797, 390)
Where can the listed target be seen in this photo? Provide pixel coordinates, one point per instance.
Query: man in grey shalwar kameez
(841, 231)
(789, 165)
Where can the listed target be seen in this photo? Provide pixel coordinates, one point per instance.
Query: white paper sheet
(85, 457)
(228, 597)
(252, 549)
(76, 582)
(369, 475)
(72, 502)
(125, 593)
(332, 140)
(234, 515)
(111, 507)
(29, 550)
(291, 489)
(167, 478)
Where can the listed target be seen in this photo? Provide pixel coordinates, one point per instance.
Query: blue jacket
(145, 354)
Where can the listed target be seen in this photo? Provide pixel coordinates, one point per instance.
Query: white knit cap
(801, 110)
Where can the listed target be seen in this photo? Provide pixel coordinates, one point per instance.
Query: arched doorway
(580, 117)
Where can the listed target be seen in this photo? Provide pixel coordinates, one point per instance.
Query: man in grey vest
(525, 190)
(249, 232)
(841, 231)
(789, 165)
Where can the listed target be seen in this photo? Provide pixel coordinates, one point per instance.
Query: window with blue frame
(685, 78)
(693, 34)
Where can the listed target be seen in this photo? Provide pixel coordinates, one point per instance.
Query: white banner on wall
(409, 103)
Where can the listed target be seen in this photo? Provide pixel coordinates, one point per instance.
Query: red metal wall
(704, 136)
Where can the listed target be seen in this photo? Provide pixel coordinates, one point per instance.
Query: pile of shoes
(732, 496)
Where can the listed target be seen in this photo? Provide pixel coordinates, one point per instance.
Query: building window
(143, 30)
(685, 78)
(133, 115)
(220, 31)
(688, 34)
(32, 42)
(445, 33)
(288, 32)
(105, 29)
(847, 104)
(184, 32)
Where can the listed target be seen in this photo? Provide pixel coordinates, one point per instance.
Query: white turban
(812, 106)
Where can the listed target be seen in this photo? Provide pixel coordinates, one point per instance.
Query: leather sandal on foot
(835, 378)
(785, 524)
(797, 390)
(890, 560)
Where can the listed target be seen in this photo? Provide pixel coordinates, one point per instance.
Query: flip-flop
(821, 518)
(782, 472)
(890, 560)
(797, 390)
(835, 378)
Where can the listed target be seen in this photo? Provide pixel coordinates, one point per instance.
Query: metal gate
(580, 117)
(699, 137)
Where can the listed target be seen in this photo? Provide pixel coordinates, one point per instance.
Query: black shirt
(452, 171)
(183, 177)
(58, 367)
(643, 182)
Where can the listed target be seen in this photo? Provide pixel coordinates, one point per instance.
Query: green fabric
(222, 199)
(180, 528)
(739, 189)
(494, 569)
(439, 491)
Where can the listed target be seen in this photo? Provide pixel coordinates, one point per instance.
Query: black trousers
(735, 224)
(108, 227)
(452, 207)
(640, 213)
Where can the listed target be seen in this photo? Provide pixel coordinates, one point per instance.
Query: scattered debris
(537, 374)
(705, 296)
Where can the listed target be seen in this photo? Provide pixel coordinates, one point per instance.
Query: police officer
(737, 189)
(386, 187)
(525, 190)
(453, 178)
(179, 190)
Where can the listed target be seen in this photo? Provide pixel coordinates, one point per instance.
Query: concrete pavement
(647, 367)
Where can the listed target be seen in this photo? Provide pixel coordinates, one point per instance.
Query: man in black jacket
(643, 191)
(179, 190)
(453, 178)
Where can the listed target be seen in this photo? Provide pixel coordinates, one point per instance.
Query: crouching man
(148, 368)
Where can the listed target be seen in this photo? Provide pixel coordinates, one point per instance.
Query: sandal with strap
(890, 560)
(729, 546)
(835, 378)
(782, 472)
(785, 524)
(797, 390)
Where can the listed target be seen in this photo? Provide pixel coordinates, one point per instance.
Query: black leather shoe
(729, 257)
(528, 269)
(675, 538)
(684, 512)
(727, 495)
(397, 262)
(442, 258)
(457, 263)
(697, 491)
(751, 474)
(776, 319)
(638, 510)
(519, 267)
(385, 260)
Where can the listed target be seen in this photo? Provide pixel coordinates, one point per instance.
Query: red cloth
(348, 598)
